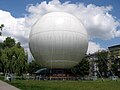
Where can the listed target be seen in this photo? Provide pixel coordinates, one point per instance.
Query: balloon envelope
(58, 40)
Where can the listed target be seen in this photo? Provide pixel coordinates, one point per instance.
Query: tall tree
(33, 66)
(13, 57)
(102, 62)
(82, 68)
(114, 64)
(9, 42)
(4, 61)
(1, 27)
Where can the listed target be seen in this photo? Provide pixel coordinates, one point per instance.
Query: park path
(6, 86)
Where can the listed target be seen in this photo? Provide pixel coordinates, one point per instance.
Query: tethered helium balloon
(58, 40)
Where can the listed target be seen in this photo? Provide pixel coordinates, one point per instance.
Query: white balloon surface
(58, 40)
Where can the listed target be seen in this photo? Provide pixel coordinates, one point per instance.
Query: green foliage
(82, 68)
(12, 57)
(115, 61)
(1, 27)
(9, 42)
(33, 67)
(102, 62)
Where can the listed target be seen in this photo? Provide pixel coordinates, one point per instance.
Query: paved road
(6, 86)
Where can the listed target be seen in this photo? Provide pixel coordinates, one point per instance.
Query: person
(9, 77)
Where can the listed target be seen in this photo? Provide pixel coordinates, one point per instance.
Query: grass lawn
(66, 85)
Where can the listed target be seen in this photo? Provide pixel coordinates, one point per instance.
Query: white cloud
(93, 47)
(97, 20)
(14, 27)
(118, 33)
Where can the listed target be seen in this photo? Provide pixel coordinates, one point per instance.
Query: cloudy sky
(101, 19)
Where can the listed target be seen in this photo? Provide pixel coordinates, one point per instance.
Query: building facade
(105, 63)
(114, 56)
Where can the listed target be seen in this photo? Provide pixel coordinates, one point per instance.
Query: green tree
(102, 62)
(1, 63)
(9, 42)
(1, 27)
(4, 61)
(33, 66)
(82, 68)
(114, 65)
(13, 58)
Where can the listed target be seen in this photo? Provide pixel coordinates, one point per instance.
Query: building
(114, 56)
(114, 51)
(110, 62)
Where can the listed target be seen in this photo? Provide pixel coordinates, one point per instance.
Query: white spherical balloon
(58, 40)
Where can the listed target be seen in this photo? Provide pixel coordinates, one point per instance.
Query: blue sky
(18, 9)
